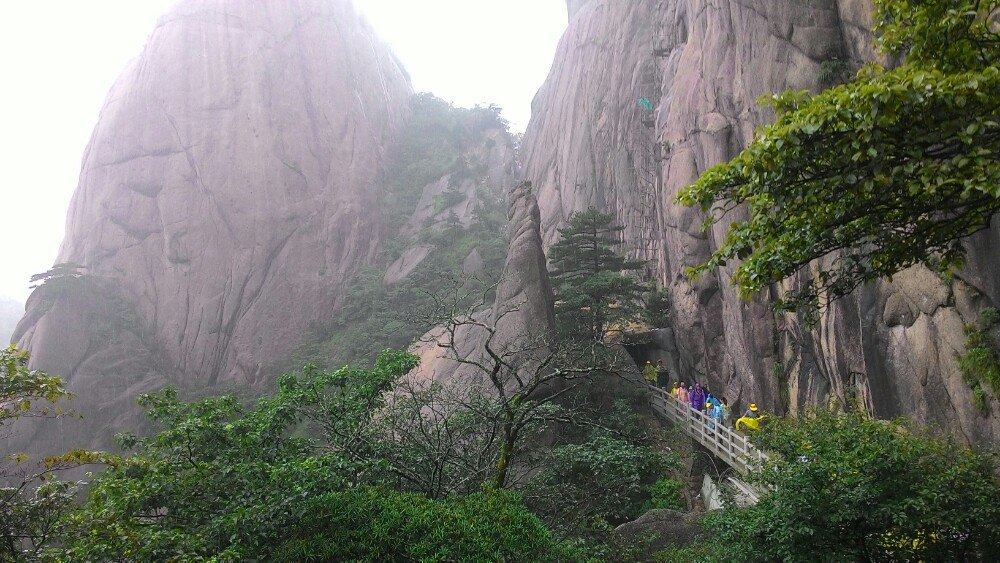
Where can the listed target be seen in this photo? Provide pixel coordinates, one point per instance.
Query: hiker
(674, 390)
(753, 411)
(697, 397)
(662, 375)
(714, 413)
(682, 393)
(724, 412)
(649, 373)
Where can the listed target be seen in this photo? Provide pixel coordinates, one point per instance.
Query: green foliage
(703, 549)
(381, 524)
(448, 199)
(888, 170)
(595, 291)
(833, 71)
(26, 392)
(667, 493)
(603, 480)
(847, 488)
(604, 470)
(303, 475)
(980, 364)
(58, 275)
(658, 307)
(31, 498)
(979, 398)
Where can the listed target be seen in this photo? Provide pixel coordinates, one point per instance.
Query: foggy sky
(60, 57)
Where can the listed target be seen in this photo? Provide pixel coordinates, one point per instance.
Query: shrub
(666, 493)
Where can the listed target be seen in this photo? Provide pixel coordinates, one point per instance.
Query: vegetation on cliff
(595, 288)
(890, 169)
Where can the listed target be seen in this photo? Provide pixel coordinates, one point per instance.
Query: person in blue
(714, 413)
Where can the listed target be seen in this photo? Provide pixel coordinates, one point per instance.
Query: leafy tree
(848, 488)
(32, 498)
(667, 493)
(891, 169)
(595, 290)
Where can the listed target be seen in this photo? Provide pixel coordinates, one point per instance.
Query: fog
(60, 58)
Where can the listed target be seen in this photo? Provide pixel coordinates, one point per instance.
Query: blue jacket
(716, 412)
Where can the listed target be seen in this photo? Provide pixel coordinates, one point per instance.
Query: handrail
(731, 447)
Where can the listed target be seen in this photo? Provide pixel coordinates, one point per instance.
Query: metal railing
(727, 444)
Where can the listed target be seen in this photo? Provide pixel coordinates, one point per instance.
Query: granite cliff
(225, 201)
(700, 65)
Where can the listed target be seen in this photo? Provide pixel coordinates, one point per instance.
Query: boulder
(662, 528)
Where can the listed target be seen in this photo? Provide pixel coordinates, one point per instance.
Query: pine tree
(595, 290)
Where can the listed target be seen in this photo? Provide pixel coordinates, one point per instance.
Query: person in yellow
(649, 373)
(674, 390)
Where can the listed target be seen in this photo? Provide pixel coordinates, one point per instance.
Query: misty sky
(60, 57)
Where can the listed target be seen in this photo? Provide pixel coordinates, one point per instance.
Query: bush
(981, 362)
(376, 524)
(584, 488)
(666, 493)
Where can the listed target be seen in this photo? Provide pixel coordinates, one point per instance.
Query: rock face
(701, 65)
(662, 528)
(225, 200)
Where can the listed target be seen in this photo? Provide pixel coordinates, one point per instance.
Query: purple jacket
(697, 398)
